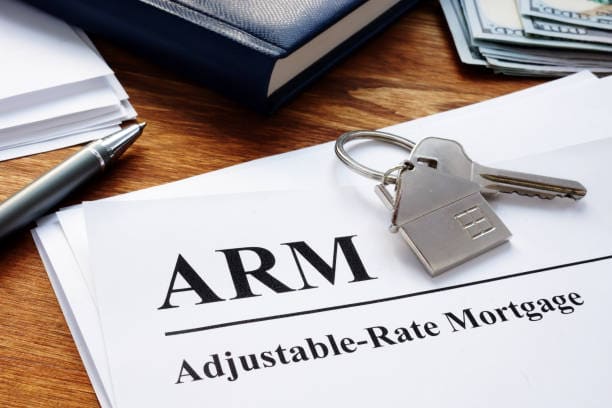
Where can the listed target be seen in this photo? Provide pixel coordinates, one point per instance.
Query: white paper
(546, 233)
(57, 143)
(54, 107)
(74, 299)
(533, 123)
(134, 247)
(41, 52)
(55, 88)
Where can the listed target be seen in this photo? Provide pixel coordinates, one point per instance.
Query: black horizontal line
(382, 300)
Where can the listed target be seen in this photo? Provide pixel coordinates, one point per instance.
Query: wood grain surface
(408, 71)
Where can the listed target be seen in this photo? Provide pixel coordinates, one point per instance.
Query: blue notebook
(260, 52)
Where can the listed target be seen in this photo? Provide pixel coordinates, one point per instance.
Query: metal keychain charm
(444, 218)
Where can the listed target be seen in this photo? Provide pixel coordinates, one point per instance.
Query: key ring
(370, 135)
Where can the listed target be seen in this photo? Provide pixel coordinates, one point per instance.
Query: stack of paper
(230, 289)
(55, 89)
(532, 37)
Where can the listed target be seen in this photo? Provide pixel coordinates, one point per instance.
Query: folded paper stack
(55, 89)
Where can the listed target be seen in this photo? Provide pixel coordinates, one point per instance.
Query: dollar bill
(494, 33)
(530, 56)
(510, 67)
(468, 53)
(549, 28)
(590, 13)
(499, 20)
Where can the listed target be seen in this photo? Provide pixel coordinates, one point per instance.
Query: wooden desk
(409, 71)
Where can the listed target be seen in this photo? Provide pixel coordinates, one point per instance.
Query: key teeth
(545, 196)
(534, 194)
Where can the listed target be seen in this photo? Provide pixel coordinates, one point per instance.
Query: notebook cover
(228, 45)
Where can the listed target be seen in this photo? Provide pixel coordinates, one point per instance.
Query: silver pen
(45, 192)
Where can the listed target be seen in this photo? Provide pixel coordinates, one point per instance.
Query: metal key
(449, 157)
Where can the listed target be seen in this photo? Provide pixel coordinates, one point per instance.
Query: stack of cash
(533, 37)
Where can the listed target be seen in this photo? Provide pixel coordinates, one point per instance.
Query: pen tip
(142, 125)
